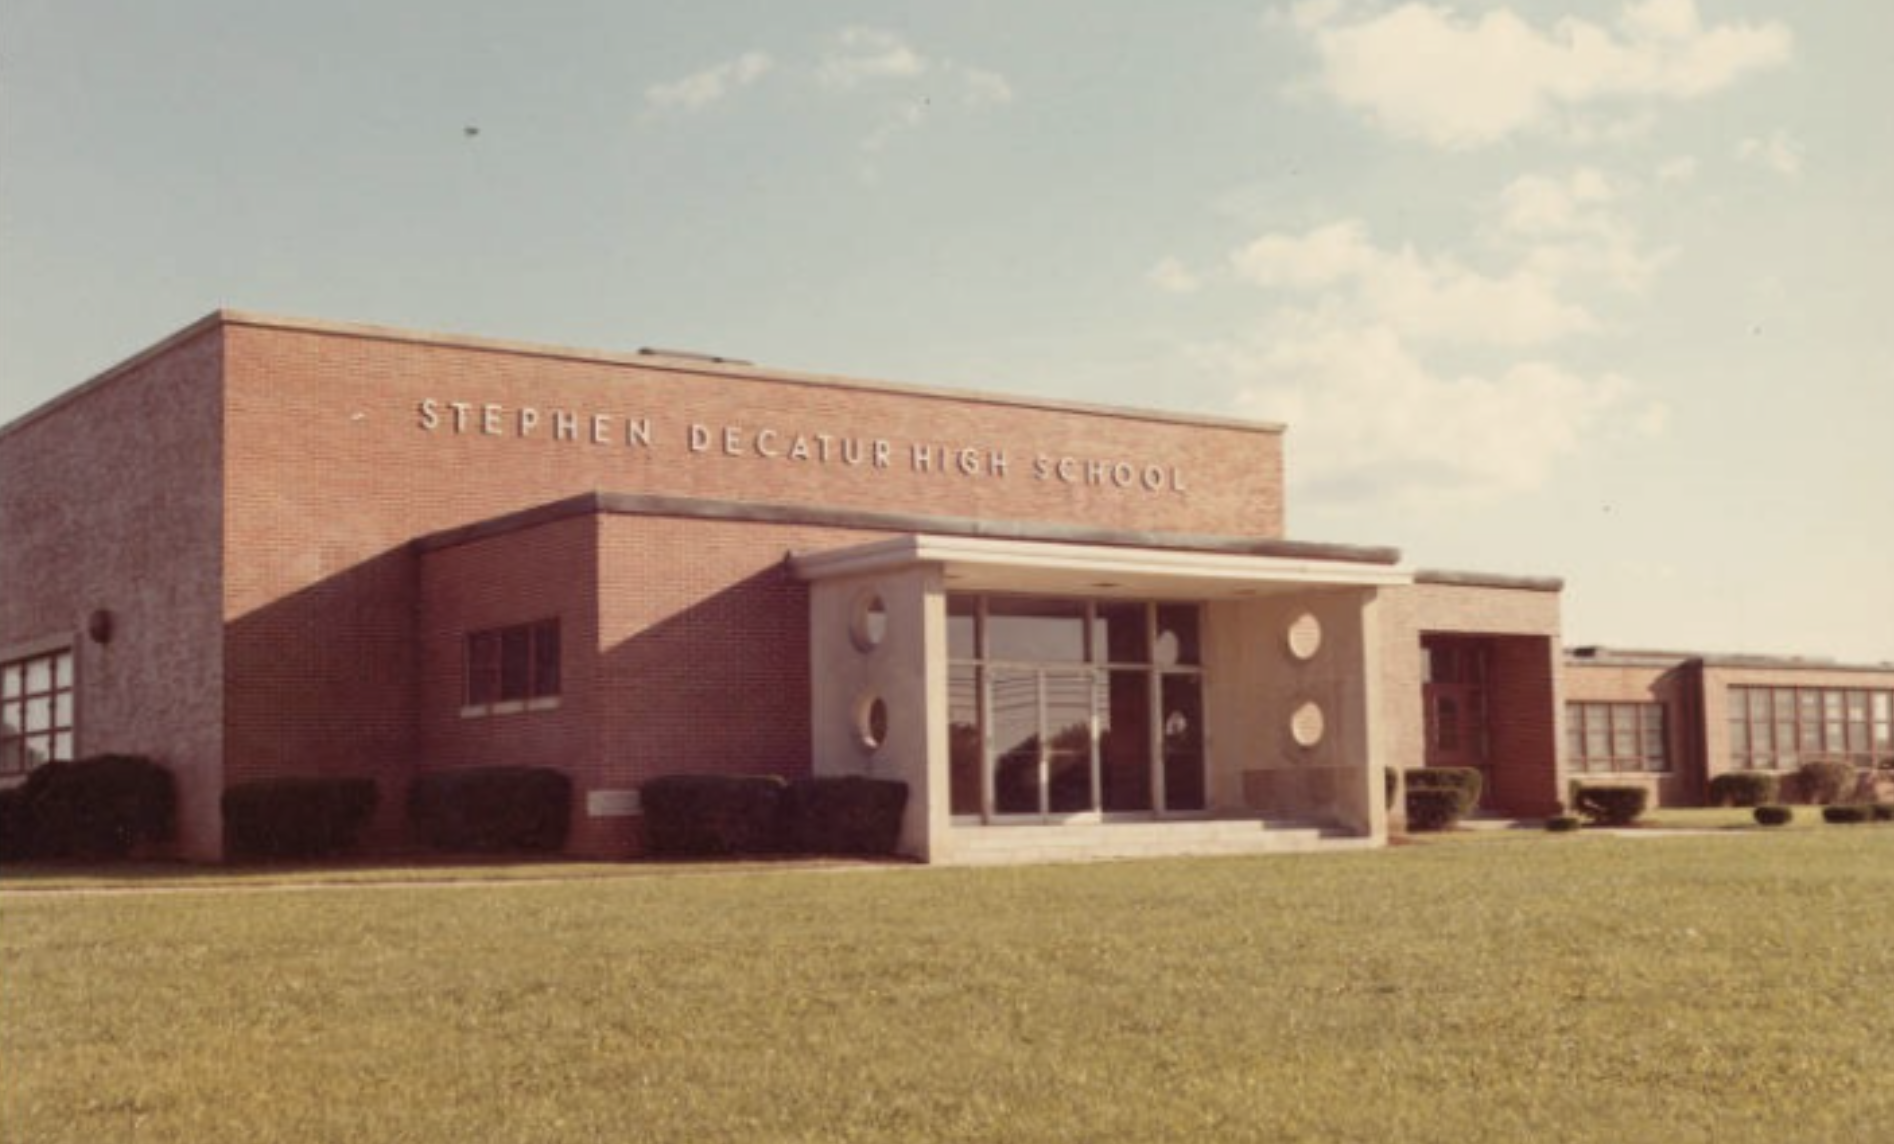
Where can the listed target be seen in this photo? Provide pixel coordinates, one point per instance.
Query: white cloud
(983, 88)
(862, 55)
(703, 88)
(1368, 420)
(1173, 277)
(1434, 298)
(1423, 71)
(877, 64)
(1675, 172)
(1570, 229)
(1778, 152)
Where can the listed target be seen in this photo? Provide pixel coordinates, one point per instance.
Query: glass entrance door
(1044, 741)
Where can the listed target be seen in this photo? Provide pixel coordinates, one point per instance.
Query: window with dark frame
(1616, 738)
(516, 664)
(36, 711)
(1780, 728)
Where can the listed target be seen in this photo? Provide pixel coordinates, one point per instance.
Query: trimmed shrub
(492, 809)
(707, 815)
(1464, 782)
(848, 815)
(1562, 823)
(1774, 815)
(296, 817)
(1432, 808)
(13, 825)
(1883, 811)
(102, 807)
(1392, 782)
(1611, 805)
(1822, 782)
(1744, 788)
(1846, 813)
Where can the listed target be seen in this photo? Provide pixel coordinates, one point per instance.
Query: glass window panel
(963, 613)
(1015, 714)
(1124, 743)
(12, 681)
(1177, 642)
(1739, 702)
(1069, 703)
(1739, 738)
(62, 709)
(1758, 704)
(1182, 730)
(39, 714)
(483, 667)
(39, 675)
(516, 652)
(1574, 734)
(1857, 705)
(1812, 736)
(62, 746)
(39, 749)
(1883, 705)
(1857, 737)
(12, 718)
(1036, 631)
(1808, 706)
(1882, 731)
(62, 669)
(546, 668)
(966, 750)
(1120, 632)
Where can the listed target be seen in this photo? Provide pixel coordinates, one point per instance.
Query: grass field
(1728, 987)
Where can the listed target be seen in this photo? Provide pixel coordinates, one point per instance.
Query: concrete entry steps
(1011, 845)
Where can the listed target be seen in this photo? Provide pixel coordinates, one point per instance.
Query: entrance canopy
(1021, 681)
(1233, 570)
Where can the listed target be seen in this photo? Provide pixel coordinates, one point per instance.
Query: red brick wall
(111, 499)
(331, 474)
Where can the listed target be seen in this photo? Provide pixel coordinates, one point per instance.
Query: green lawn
(1729, 987)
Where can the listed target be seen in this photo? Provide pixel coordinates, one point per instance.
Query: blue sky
(1604, 291)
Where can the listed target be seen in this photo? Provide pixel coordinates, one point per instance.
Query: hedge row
(101, 807)
(492, 809)
(1744, 788)
(708, 815)
(1439, 797)
(297, 817)
(1605, 805)
(479, 809)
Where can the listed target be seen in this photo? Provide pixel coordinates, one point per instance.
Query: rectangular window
(1606, 738)
(36, 711)
(1779, 728)
(513, 667)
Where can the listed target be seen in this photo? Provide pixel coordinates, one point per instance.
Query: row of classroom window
(1770, 729)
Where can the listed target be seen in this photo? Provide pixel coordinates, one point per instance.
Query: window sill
(510, 707)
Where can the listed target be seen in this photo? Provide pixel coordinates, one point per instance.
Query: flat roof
(1601, 656)
(676, 362)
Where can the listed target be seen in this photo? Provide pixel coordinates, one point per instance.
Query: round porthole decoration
(1307, 725)
(868, 623)
(1305, 636)
(871, 722)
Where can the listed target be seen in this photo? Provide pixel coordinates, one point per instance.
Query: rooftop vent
(690, 355)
